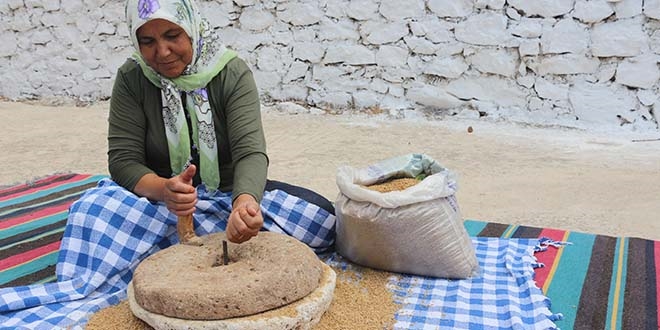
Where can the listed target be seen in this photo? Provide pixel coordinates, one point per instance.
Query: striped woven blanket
(596, 282)
(32, 219)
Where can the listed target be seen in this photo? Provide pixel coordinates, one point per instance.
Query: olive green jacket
(137, 144)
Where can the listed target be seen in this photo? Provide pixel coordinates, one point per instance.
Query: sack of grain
(418, 230)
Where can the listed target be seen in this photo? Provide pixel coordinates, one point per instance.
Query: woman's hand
(245, 219)
(179, 195)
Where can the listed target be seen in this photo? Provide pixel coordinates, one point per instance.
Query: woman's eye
(173, 36)
(145, 41)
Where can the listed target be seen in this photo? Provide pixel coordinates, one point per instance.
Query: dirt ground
(601, 183)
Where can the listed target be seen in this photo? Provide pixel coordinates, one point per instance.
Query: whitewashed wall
(558, 62)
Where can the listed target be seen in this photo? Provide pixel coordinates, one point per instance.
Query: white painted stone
(338, 100)
(528, 28)
(417, 29)
(647, 97)
(566, 36)
(350, 54)
(490, 4)
(618, 38)
(86, 24)
(41, 37)
(419, 45)
(245, 3)
(433, 29)
(567, 64)
(391, 56)
(627, 8)
(499, 61)
(243, 41)
(449, 49)
(341, 30)
(483, 29)
(502, 92)
(392, 102)
(267, 80)
(33, 4)
(550, 90)
(218, 15)
(362, 10)
(270, 59)
(21, 22)
(379, 85)
(15, 4)
(396, 90)
(451, 8)
(535, 103)
(526, 81)
(308, 51)
(299, 14)
(304, 35)
(592, 11)
(397, 10)
(432, 96)
(9, 46)
(256, 19)
(640, 72)
(654, 41)
(366, 99)
(382, 33)
(284, 36)
(397, 75)
(290, 91)
(448, 67)
(606, 72)
(600, 104)
(652, 8)
(544, 8)
(52, 5)
(54, 19)
(513, 13)
(529, 47)
(297, 70)
(105, 28)
(290, 108)
(336, 9)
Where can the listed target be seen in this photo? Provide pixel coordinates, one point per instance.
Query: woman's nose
(162, 49)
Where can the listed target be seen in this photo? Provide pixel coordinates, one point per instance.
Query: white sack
(418, 230)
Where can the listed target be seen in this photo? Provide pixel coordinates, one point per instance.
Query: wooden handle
(186, 230)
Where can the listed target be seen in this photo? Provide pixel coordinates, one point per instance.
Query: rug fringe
(545, 242)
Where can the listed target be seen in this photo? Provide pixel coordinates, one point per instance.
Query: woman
(185, 138)
(183, 103)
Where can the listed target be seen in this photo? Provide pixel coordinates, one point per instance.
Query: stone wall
(555, 62)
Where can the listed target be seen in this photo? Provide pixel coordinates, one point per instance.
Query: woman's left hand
(245, 219)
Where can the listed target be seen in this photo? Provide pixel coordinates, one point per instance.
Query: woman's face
(165, 47)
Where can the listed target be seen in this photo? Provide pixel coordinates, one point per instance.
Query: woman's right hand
(179, 194)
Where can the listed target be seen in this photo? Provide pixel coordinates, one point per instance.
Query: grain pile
(361, 301)
(393, 185)
(117, 317)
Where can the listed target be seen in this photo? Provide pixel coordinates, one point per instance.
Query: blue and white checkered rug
(109, 231)
(502, 296)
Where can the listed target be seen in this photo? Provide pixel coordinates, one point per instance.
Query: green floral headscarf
(209, 58)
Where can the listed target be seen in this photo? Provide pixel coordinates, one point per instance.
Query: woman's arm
(245, 132)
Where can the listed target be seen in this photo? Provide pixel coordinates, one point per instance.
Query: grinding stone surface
(190, 282)
(303, 314)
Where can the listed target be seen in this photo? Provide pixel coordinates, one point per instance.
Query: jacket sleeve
(126, 135)
(245, 131)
